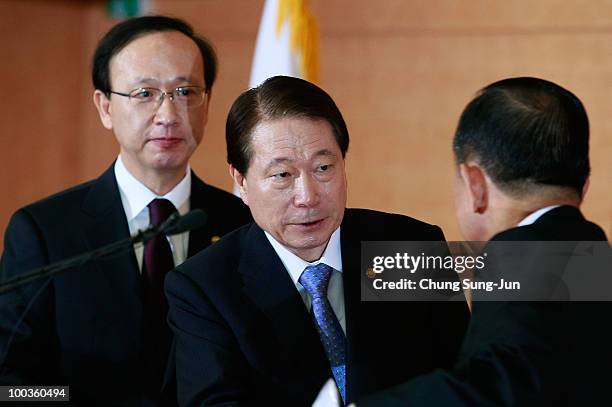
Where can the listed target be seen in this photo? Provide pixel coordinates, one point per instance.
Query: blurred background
(401, 72)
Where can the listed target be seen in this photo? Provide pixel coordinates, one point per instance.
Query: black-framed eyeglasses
(189, 96)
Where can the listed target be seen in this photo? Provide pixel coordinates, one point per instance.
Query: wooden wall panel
(401, 72)
(40, 108)
(409, 68)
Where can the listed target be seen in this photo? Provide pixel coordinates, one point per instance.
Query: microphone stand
(119, 247)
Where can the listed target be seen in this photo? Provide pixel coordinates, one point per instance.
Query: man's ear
(585, 187)
(476, 185)
(240, 182)
(208, 96)
(102, 103)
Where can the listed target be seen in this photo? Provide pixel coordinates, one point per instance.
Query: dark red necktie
(157, 262)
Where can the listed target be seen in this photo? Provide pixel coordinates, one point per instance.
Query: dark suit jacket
(83, 328)
(524, 353)
(244, 336)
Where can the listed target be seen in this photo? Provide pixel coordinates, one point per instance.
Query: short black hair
(127, 31)
(275, 98)
(525, 132)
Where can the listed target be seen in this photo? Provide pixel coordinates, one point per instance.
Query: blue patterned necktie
(315, 280)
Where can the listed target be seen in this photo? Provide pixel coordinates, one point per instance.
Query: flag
(287, 42)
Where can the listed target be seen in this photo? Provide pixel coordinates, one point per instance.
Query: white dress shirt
(533, 216)
(135, 197)
(332, 256)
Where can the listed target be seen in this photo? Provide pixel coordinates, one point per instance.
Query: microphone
(175, 224)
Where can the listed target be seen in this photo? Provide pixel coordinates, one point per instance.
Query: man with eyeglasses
(101, 329)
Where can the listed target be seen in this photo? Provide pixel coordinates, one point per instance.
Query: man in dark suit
(100, 328)
(521, 149)
(273, 310)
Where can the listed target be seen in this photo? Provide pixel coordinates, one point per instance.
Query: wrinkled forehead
(293, 137)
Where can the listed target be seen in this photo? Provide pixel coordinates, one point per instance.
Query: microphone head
(192, 220)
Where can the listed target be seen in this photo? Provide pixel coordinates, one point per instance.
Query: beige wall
(401, 72)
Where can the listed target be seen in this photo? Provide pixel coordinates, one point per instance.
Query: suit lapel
(350, 241)
(350, 248)
(198, 238)
(268, 285)
(108, 224)
(362, 318)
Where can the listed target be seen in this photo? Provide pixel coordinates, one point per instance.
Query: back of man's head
(526, 133)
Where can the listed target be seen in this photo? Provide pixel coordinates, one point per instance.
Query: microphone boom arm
(173, 225)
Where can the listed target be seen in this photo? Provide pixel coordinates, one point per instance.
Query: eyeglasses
(189, 96)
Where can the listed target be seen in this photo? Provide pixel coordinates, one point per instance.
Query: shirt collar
(533, 216)
(136, 196)
(332, 256)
